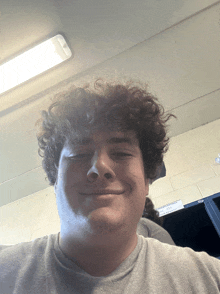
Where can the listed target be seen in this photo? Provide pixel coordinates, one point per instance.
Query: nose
(100, 167)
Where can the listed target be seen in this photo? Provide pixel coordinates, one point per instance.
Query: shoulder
(183, 258)
(179, 269)
(148, 228)
(14, 257)
(23, 247)
(147, 222)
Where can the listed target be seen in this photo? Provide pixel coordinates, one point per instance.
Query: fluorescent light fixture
(33, 62)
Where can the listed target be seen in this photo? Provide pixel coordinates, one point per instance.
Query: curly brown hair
(113, 106)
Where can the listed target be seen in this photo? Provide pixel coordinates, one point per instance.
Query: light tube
(33, 62)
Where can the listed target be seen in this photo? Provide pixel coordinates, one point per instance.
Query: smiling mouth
(102, 193)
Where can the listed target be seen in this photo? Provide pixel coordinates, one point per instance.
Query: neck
(99, 260)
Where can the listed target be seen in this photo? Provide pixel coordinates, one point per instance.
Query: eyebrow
(113, 140)
(119, 140)
(82, 141)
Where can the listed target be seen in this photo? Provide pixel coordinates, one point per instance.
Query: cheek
(136, 172)
(74, 174)
(137, 181)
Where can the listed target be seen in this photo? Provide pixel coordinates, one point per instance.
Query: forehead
(104, 137)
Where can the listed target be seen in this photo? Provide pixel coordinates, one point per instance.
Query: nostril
(108, 176)
(92, 177)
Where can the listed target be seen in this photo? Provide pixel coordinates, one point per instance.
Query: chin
(105, 222)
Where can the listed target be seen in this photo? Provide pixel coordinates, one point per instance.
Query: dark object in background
(197, 225)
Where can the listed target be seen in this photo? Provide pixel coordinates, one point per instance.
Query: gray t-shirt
(40, 267)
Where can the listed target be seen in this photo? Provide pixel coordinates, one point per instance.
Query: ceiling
(95, 30)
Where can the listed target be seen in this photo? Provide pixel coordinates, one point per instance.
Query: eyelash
(122, 154)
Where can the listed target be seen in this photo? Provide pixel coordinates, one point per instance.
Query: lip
(101, 192)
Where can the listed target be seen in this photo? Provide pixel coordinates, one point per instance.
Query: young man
(101, 147)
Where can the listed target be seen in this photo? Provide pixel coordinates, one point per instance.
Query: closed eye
(80, 156)
(122, 154)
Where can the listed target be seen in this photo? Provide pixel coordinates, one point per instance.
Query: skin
(100, 192)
